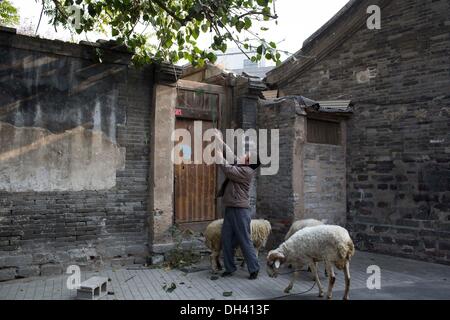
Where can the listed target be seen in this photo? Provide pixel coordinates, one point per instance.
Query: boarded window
(198, 99)
(323, 132)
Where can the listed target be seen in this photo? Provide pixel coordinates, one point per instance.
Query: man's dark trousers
(236, 231)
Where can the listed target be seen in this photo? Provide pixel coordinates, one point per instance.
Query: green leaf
(195, 32)
(247, 23)
(260, 49)
(9, 15)
(223, 47)
(211, 57)
(262, 3)
(91, 10)
(240, 25)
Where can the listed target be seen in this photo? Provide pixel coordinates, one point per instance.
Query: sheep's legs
(331, 279)
(291, 284)
(347, 280)
(219, 265)
(215, 263)
(313, 267)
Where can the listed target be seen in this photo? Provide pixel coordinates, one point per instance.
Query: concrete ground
(400, 279)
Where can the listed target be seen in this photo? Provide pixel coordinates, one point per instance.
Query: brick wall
(398, 159)
(311, 179)
(324, 183)
(247, 107)
(44, 231)
(276, 199)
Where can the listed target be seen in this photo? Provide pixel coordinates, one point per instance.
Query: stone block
(28, 271)
(7, 274)
(16, 260)
(93, 288)
(51, 269)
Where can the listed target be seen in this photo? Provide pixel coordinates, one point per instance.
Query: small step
(93, 288)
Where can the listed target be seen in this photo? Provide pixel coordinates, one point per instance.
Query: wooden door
(196, 184)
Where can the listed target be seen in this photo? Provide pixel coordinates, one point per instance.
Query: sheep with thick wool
(327, 243)
(260, 231)
(300, 224)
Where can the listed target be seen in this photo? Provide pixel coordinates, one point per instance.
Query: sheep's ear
(274, 255)
(277, 263)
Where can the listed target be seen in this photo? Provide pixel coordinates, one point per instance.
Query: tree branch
(169, 12)
(40, 18)
(258, 13)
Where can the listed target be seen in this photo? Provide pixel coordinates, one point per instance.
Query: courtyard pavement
(400, 279)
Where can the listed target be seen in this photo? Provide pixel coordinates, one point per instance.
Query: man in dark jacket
(236, 200)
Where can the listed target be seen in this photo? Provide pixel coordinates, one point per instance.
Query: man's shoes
(253, 275)
(227, 274)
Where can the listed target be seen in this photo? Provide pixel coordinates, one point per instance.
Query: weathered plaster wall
(74, 157)
(34, 159)
(63, 115)
(162, 171)
(398, 159)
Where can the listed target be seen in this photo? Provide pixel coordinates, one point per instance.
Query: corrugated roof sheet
(326, 106)
(336, 106)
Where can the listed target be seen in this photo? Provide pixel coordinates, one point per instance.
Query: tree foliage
(175, 26)
(8, 14)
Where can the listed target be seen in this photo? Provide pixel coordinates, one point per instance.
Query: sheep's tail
(346, 250)
(350, 250)
(260, 231)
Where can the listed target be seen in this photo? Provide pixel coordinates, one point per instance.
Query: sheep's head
(274, 260)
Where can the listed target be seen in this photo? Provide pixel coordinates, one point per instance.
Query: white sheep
(260, 231)
(300, 224)
(331, 244)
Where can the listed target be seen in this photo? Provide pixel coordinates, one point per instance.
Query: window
(323, 132)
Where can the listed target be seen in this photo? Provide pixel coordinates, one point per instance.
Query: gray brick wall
(247, 107)
(398, 159)
(276, 200)
(42, 233)
(311, 179)
(324, 183)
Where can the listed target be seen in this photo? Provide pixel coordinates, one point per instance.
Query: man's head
(244, 159)
(249, 160)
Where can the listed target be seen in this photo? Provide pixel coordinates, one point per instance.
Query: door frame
(193, 114)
